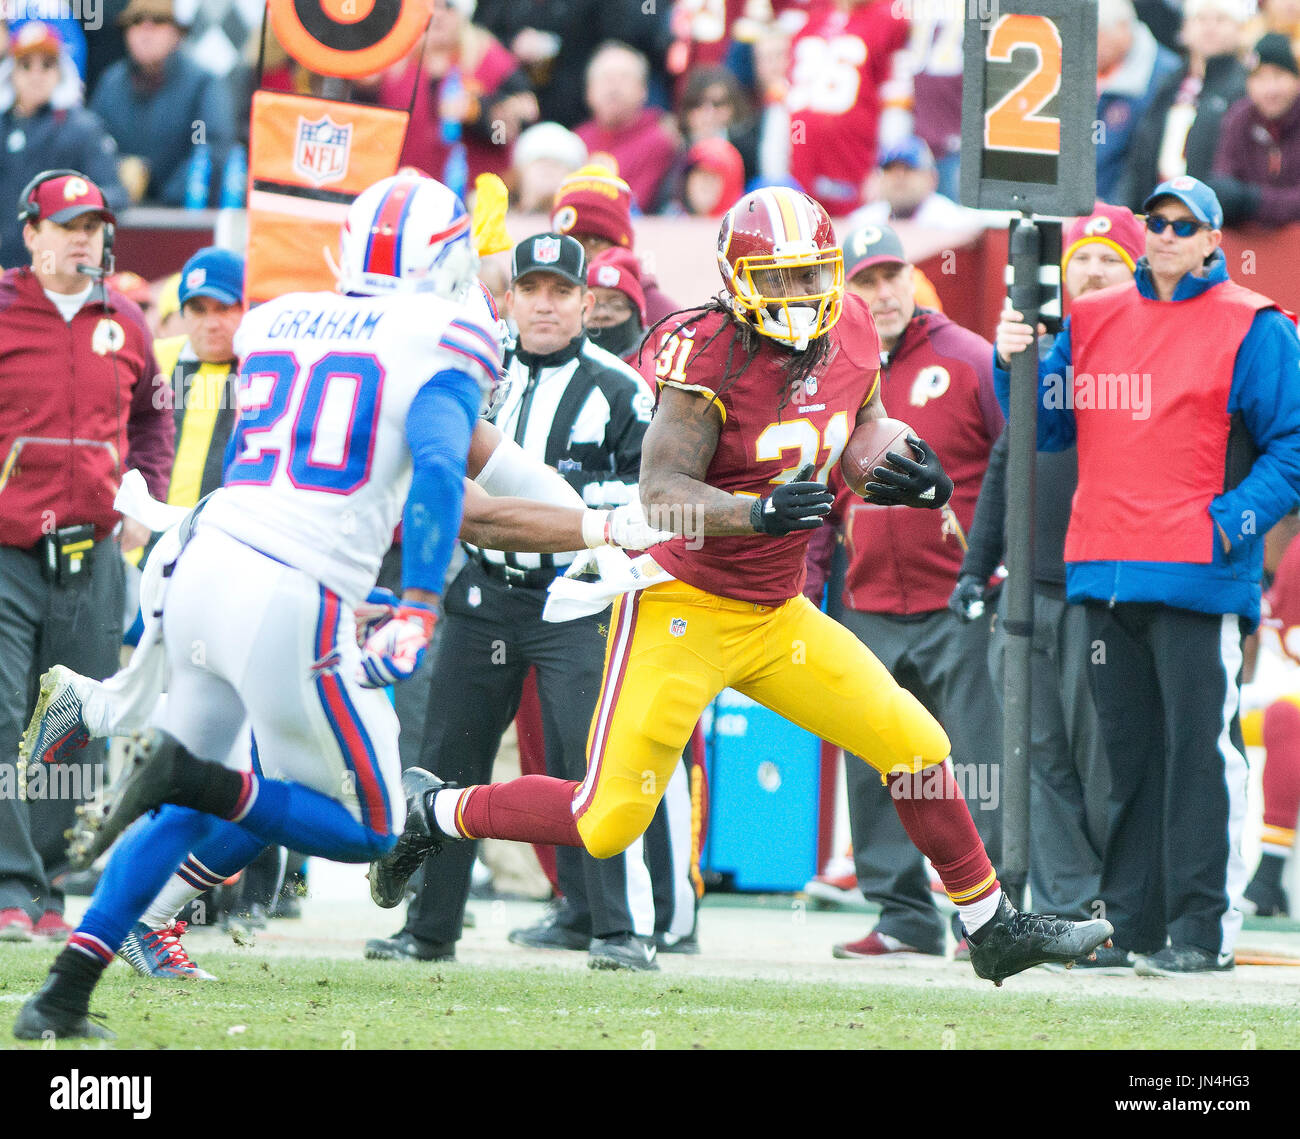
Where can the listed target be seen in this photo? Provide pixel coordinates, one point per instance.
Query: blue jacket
(162, 126)
(1265, 394)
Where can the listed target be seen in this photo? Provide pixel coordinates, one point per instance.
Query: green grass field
(328, 1003)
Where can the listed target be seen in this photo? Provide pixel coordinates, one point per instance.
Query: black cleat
(623, 951)
(420, 838)
(147, 774)
(405, 946)
(1011, 942)
(39, 1021)
(551, 932)
(686, 944)
(1181, 960)
(1265, 899)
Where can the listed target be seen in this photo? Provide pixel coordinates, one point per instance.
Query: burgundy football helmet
(782, 266)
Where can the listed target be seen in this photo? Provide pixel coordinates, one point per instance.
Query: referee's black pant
(489, 637)
(1167, 685)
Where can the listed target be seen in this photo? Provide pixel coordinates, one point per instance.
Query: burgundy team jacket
(79, 407)
(902, 560)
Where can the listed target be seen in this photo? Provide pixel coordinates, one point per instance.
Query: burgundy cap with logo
(61, 199)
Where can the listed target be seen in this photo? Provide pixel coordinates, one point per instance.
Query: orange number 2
(1013, 123)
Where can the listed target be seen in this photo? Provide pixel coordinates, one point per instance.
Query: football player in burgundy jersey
(758, 393)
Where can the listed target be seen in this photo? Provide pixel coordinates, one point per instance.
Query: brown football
(867, 447)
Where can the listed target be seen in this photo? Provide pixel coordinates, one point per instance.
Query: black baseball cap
(871, 245)
(550, 253)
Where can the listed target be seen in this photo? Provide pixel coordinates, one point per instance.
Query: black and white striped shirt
(583, 411)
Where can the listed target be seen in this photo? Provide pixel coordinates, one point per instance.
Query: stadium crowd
(596, 114)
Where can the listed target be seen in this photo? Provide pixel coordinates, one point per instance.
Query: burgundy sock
(1281, 772)
(533, 808)
(934, 814)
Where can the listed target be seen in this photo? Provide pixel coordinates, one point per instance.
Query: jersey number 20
(332, 438)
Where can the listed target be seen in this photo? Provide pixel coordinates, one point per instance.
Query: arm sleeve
(1056, 428)
(510, 472)
(987, 531)
(150, 426)
(438, 426)
(1266, 390)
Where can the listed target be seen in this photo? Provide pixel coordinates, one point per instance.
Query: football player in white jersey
(266, 591)
(356, 411)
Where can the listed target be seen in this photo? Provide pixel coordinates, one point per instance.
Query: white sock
(977, 913)
(163, 909)
(444, 810)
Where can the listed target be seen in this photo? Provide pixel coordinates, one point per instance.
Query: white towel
(134, 500)
(569, 599)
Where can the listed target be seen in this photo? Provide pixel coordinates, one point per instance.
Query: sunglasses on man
(1183, 227)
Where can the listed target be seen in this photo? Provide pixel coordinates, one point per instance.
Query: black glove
(967, 599)
(1239, 200)
(797, 505)
(910, 483)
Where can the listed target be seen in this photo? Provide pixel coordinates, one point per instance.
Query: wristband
(595, 528)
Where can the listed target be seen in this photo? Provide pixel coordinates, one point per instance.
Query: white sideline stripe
(1236, 773)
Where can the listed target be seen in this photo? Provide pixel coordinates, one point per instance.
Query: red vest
(1150, 392)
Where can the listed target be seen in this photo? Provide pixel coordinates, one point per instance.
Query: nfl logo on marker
(678, 626)
(546, 250)
(322, 149)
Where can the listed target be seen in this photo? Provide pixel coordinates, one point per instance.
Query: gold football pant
(672, 648)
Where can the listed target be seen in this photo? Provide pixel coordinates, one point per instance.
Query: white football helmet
(407, 234)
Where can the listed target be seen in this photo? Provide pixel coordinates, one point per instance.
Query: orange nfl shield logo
(321, 151)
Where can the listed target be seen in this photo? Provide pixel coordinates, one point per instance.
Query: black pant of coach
(1167, 686)
(490, 635)
(42, 623)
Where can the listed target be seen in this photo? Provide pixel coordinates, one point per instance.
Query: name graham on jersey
(338, 324)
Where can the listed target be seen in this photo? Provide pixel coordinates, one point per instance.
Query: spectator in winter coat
(711, 180)
(543, 157)
(595, 207)
(623, 125)
(1257, 166)
(159, 103)
(1180, 130)
(43, 126)
(1131, 65)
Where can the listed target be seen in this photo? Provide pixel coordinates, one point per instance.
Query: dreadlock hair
(796, 369)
